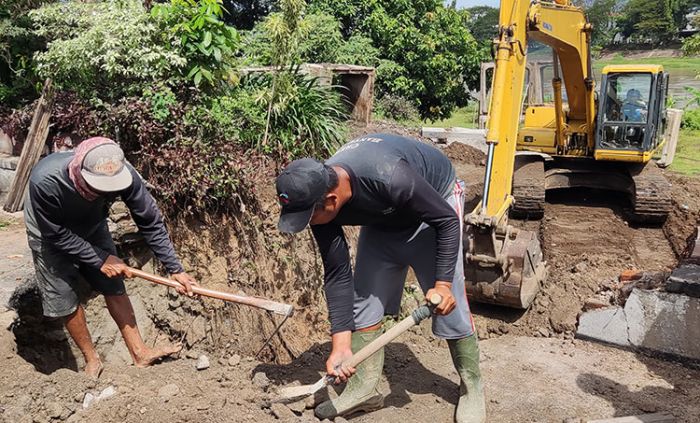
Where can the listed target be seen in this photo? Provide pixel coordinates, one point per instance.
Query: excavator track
(652, 199)
(529, 190)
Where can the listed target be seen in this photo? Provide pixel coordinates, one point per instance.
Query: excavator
(596, 141)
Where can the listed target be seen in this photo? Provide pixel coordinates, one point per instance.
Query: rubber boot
(360, 393)
(465, 356)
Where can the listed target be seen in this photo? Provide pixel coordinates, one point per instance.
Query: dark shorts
(64, 283)
(381, 266)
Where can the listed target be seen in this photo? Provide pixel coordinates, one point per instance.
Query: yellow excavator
(601, 141)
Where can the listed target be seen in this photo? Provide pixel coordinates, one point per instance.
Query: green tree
(483, 24)
(602, 15)
(427, 53)
(655, 21)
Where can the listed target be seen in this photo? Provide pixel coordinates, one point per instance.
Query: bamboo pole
(31, 151)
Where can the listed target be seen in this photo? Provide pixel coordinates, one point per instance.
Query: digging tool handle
(418, 315)
(278, 308)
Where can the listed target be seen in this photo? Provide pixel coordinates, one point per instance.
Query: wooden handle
(279, 308)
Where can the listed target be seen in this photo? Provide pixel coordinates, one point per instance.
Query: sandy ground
(526, 380)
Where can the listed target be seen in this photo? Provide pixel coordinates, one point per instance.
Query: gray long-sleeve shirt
(398, 183)
(55, 213)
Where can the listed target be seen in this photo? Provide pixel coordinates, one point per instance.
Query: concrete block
(606, 325)
(685, 279)
(664, 322)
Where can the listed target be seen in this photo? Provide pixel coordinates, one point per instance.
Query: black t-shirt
(397, 182)
(57, 214)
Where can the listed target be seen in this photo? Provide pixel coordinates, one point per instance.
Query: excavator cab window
(626, 100)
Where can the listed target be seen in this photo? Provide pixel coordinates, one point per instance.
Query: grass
(687, 159)
(4, 224)
(464, 117)
(669, 63)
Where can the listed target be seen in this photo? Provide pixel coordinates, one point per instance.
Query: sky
(471, 3)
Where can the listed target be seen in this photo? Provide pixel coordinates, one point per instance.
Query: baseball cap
(299, 187)
(104, 168)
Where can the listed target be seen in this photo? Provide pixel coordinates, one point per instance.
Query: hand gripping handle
(418, 315)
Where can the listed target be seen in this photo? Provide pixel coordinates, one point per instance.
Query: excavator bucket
(503, 267)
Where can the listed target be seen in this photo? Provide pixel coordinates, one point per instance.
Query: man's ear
(331, 201)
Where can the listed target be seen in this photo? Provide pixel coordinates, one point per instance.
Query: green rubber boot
(465, 356)
(360, 393)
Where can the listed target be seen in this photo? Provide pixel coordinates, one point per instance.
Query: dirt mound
(685, 217)
(465, 154)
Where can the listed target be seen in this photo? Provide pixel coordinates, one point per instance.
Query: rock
(544, 332)
(192, 354)
(340, 420)
(594, 303)
(630, 275)
(234, 360)
(79, 397)
(297, 407)
(281, 412)
(168, 391)
(54, 410)
(571, 420)
(222, 361)
(202, 362)
(88, 400)
(108, 392)
(579, 268)
(260, 380)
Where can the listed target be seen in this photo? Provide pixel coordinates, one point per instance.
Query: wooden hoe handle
(275, 307)
(418, 315)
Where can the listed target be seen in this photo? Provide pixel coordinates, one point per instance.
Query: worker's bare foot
(94, 368)
(152, 355)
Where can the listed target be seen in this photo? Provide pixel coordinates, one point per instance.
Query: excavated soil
(533, 369)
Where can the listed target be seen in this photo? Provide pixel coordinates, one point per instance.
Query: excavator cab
(631, 112)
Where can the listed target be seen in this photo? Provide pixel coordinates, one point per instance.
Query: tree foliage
(425, 49)
(195, 29)
(102, 50)
(654, 21)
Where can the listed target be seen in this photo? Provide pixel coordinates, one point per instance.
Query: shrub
(102, 50)
(307, 119)
(691, 119)
(691, 45)
(195, 30)
(396, 108)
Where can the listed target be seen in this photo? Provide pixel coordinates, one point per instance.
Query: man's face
(327, 211)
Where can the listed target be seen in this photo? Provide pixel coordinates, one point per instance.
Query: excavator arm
(505, 265)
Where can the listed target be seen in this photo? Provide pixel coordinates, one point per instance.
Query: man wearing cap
(65, 214)
(405, 196)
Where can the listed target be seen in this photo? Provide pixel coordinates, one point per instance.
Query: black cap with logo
(299, 187)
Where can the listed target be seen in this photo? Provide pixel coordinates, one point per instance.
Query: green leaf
(197, 78)
(207, 39)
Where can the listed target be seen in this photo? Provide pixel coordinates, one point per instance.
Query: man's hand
(186, 281)
(444, 289)
(340, 351)
(114, 266)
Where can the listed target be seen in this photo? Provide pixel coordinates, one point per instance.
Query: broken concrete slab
(664, 322)
(607, 325)
(656, 321)
(685, 279)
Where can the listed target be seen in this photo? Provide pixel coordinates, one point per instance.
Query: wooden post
(31, 151)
